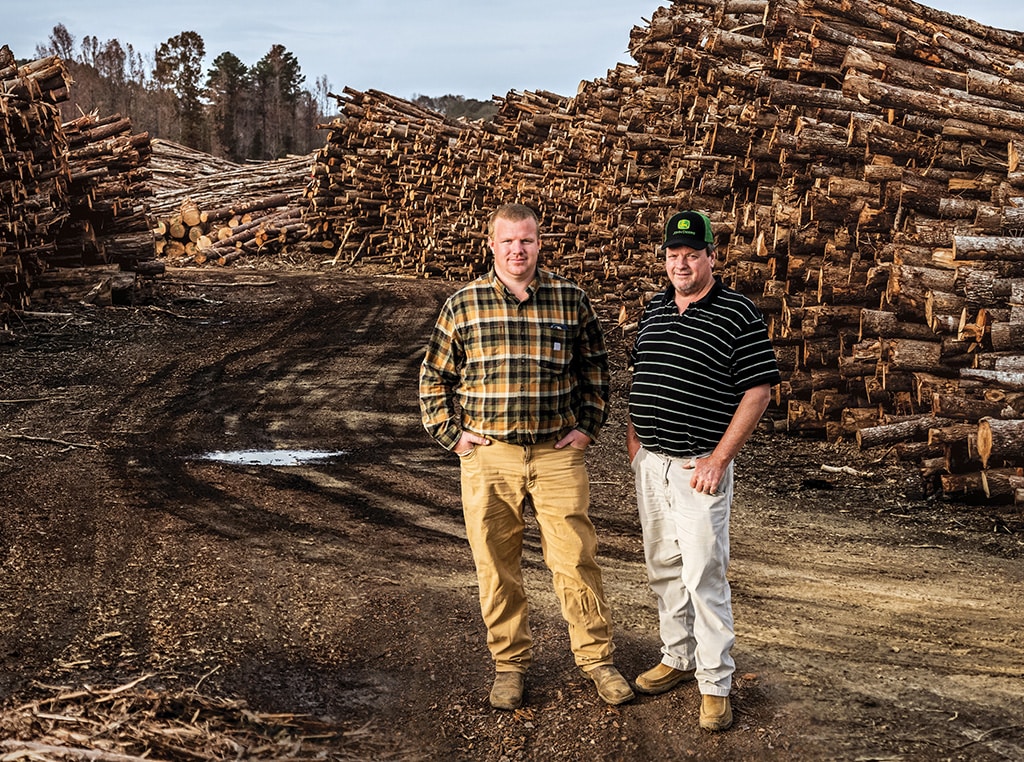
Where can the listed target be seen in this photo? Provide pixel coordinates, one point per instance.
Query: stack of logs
(108, 216)
(71, 194)
(82, 193)
(213, 210)
(860, 163)
(34, 174)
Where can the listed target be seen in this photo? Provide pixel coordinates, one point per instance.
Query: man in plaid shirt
(515, 382)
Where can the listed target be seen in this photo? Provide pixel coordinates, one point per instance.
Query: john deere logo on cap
(683, 225)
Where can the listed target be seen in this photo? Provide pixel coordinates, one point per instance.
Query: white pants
(686, 548)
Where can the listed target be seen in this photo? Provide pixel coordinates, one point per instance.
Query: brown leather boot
(611, 685)
(507, 691)
(715, 712)
(662, 678)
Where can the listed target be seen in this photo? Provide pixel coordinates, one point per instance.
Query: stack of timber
(402, 186)
(211, 210)
(861, 166)
(71, 194)
(34, 174)
(109, 220)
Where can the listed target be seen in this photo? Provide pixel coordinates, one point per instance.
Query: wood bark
(973, 248)
(1007, 337)
(915, 428)
(999, 483)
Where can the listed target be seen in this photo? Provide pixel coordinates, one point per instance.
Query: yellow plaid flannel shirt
(519, 372)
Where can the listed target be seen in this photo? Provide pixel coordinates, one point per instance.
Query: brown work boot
(715, 712)
(611, 685)
(662, 678)
(507, 691)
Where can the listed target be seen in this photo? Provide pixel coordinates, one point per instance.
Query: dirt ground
(156, 602)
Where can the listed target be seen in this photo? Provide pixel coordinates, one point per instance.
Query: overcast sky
(472, 48)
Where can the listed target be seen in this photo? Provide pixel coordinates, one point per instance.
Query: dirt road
(335, 602)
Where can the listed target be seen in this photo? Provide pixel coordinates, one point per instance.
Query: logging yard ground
(159, 602)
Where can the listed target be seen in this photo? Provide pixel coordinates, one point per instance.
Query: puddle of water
(271, 457)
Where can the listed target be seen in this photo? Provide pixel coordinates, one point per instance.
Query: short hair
(512, 213)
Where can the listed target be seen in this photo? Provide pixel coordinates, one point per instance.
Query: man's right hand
(467, 441)
(632, 441)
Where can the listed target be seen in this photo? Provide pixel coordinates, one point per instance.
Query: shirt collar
(541, 278)
(704, 302)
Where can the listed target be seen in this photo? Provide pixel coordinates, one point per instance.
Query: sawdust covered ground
(157, 602)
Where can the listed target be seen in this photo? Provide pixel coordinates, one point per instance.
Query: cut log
(1001, 441)
(963, 485)
(957, 432)
(918, 452)
(1007, 337)
(960, 407)
(802, 418)
(1017, 483)
(999, 483)
(1008, 379)
(942, 105)
(913, 355)
(914, 428)
(943, 310)
(971, 248)
(886, 324)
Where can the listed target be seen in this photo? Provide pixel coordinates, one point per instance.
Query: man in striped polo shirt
(515, 382)
(703, 367)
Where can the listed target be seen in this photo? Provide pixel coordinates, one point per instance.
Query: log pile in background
(109, 219)
(70, 194)
(213, 210)
(861, 166)
(400, 186)
(34, 174)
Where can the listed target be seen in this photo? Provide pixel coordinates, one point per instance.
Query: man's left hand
(576, 439)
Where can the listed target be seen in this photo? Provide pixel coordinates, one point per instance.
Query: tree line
(230, 110)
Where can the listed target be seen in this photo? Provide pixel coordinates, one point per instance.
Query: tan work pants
(497, 481)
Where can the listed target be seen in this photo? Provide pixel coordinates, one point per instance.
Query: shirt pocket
(555, 347)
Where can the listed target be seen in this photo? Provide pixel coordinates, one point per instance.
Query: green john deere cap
(691, 229)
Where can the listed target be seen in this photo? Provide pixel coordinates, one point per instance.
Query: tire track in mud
(337, 372)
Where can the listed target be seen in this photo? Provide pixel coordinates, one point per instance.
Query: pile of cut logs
(91, 192)
(70, 194)
(34, 174)
(108, 215)
(860, 163)
(213, 210)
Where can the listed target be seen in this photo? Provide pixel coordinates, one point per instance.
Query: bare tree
(324, 101)
(240, 112)
(61, 43)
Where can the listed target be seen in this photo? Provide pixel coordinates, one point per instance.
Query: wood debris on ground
(132, 722)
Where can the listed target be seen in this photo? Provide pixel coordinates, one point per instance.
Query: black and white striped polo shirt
(691, 369)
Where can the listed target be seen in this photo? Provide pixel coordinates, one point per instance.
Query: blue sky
(403, 47)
